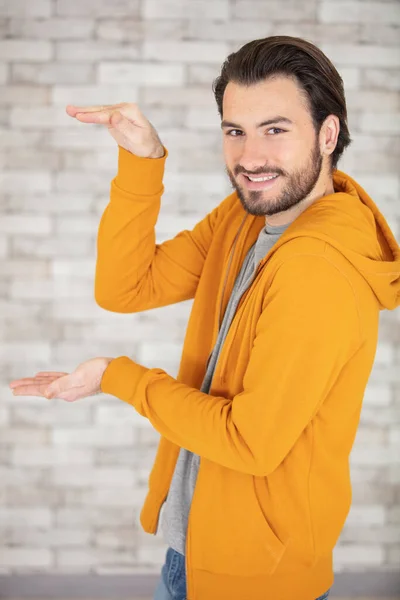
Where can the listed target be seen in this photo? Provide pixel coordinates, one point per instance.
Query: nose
(253, 156)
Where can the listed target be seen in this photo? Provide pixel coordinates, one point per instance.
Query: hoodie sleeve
(133, 273)
(307, 332)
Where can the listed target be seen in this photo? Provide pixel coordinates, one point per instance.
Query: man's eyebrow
(277, 119)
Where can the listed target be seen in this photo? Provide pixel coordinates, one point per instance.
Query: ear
(329, 134)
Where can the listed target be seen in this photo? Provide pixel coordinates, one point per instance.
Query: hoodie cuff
(138, 175)
(121, 379)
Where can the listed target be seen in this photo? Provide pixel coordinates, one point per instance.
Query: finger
(32, 380)
(50, 374)
(72, 110)
(100, 117)
(30, 390)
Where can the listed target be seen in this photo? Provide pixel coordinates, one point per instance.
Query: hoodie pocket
(229, 531)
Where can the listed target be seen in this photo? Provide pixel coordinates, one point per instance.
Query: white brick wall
(74, 475)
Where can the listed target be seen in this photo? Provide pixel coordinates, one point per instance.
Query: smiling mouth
(262, 178)
(259, 182)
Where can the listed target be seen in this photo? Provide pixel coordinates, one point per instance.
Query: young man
(288, 276)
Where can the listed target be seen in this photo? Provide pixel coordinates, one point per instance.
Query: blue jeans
(172, 584)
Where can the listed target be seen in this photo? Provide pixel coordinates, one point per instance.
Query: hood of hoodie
(350, 221)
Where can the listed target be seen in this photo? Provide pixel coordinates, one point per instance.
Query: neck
(323, 188)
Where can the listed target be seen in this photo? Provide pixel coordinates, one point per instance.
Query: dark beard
(299, 185)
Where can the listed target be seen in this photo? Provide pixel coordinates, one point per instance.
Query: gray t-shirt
(175, 512)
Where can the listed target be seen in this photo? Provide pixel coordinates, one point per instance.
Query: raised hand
(84, 381)
(127, 125)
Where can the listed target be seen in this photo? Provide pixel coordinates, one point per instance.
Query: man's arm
(133, 273)
(308, 330)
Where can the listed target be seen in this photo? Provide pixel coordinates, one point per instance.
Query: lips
(259, 185)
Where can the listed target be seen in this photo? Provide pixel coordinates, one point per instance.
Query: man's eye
(234, 132)
(276, 130)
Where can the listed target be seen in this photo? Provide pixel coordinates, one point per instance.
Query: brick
(15, 181)
(179, 9)
(24, 437)
(359, 12)
(186, 52)
(394, 514)
(50, 456)
(52, 28)
(62, 412)
(89, 476)
(377, 395)
(116, 413)
(115, 538)
(141, 73)
(53, 203)
(30, 224)
(368, 101)
(32, 160)
(94, 51)
(84, 160)
(203, 118)
(370, 434)
(3, 247)
(14, 94)
(92, 95)
(151, 554)
(4, 416)
(219, 30)
(115, 496)
(99, 436)
(356, 554)
(275, 11)
(18, 477)
(130, 30)
(76, 224)
(25, 517)
(373, 455)
(26, 557)
(4, 73)
(385, 35)
(93, 516)
(22, 352)
(25, 8)
(362, 516)
(54, 538)
(368, 534)
(44, 116)
(98, 8)
(59, 245)
(19, 138)
(185, 96)
(381, 122)
(52, 73)
(362, 55)
(91, 557)
(202, 74)
(30, 51)
(23, 268)
(73, 268)
(77, 181)
(386, 415)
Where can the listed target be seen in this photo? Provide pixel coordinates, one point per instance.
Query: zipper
(231, 254)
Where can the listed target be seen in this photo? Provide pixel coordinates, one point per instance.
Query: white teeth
(262, 178)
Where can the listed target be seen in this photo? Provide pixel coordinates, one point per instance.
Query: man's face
(269, 134)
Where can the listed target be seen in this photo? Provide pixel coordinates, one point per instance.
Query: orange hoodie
(275, 432)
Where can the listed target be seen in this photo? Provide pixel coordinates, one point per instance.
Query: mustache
(260, 171)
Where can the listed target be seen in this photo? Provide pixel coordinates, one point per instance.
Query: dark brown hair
(294, 57)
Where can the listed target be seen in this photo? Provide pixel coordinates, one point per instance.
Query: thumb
(118, 121)
(58, 386)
